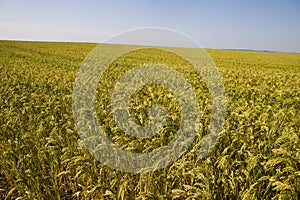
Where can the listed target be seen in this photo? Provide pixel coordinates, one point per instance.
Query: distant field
(257, 155)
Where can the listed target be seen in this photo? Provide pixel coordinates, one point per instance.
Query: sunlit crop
(257, 155)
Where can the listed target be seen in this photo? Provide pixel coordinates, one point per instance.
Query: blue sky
(256, 24)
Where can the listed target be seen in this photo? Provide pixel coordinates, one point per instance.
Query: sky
(224, 24)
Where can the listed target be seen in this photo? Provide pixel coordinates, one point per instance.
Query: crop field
(257, 155)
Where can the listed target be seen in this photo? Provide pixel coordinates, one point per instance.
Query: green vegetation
(257, 155)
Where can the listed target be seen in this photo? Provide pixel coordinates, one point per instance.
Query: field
(257, 155)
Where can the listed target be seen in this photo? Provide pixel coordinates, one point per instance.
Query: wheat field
(257, 155)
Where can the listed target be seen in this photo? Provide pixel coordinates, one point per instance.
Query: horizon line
(94, 42)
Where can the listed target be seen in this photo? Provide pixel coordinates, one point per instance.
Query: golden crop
(257, 155)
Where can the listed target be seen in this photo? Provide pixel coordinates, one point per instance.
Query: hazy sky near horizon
(257, 24)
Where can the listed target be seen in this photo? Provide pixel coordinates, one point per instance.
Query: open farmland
(257, 155)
